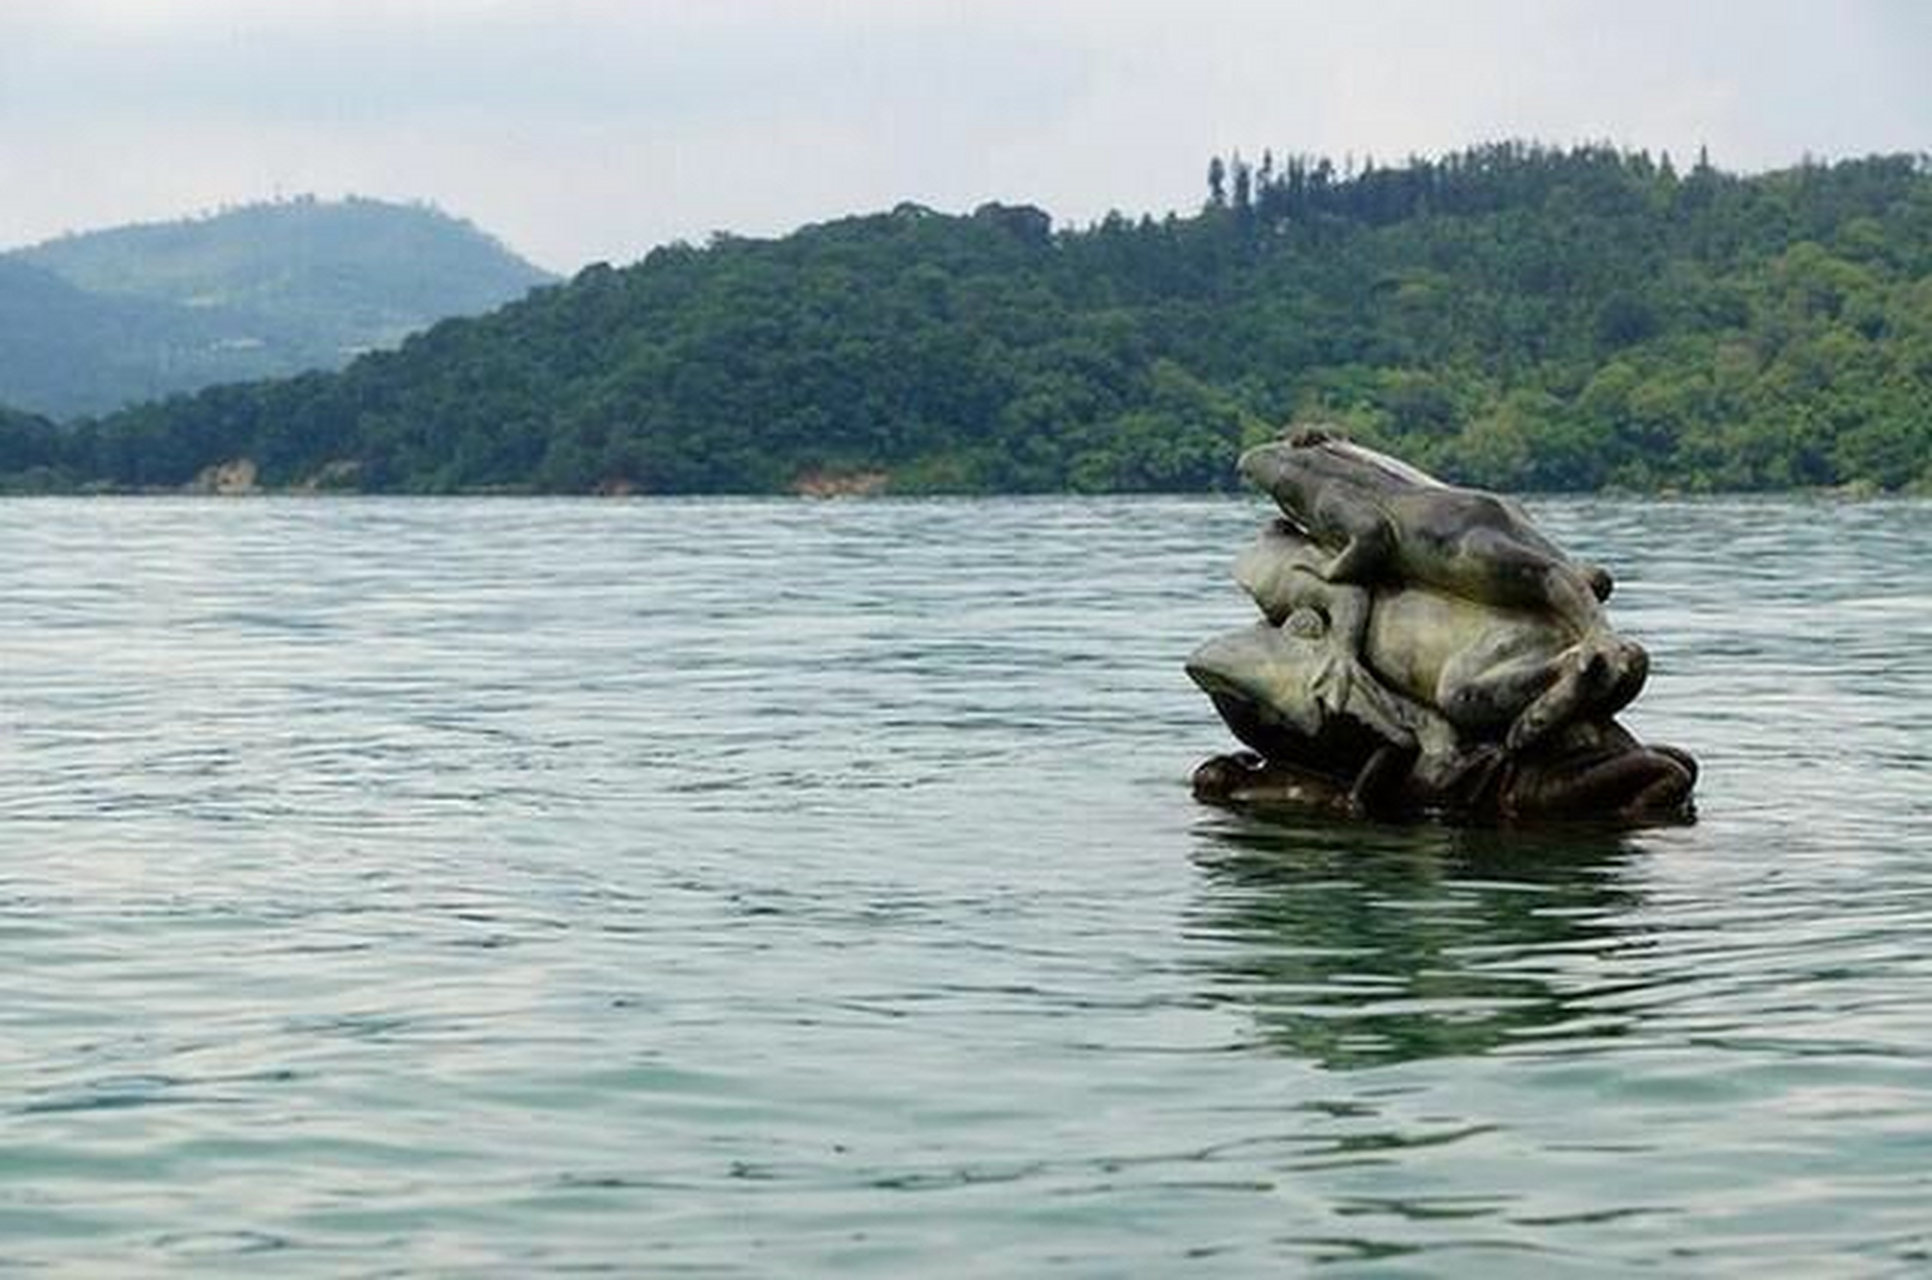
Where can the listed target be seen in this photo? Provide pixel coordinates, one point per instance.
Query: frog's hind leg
(1506, 571)
(1629, 664)
(1580, 675)
(1484, 690)
(1598, 675)
(1634, 783)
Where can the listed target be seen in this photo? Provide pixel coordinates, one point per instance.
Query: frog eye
(1306, 624)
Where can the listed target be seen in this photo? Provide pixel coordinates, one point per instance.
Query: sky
(587, 130)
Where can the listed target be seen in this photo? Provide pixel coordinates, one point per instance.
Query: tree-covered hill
(63, 348)
(91, 322)
(31, 444)
(1511, 315)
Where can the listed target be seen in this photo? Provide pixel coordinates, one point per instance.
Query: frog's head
(1291, 471)
(1268, 669)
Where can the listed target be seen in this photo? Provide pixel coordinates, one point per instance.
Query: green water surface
(770, 888)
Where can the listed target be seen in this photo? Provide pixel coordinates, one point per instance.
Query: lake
(742, 888)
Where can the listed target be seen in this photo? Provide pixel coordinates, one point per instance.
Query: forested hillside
(31, 445)
(1512, 316)
(92, 322)
(65, 349)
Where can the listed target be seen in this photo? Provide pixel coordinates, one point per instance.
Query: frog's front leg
(1344, 610)
(1368, 543)
(1377, 789)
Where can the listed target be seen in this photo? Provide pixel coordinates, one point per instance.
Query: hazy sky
(587, 129)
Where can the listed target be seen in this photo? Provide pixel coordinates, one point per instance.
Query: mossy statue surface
(1425, 649)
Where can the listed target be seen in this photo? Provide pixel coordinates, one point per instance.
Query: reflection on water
(1361, 947)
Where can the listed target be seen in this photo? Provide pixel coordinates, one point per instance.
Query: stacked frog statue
(1424, 649)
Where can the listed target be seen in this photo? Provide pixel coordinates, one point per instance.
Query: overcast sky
(580, 130)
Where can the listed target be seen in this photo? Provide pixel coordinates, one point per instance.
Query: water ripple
(748, 888)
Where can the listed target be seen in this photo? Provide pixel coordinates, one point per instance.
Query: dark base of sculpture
(1424, 651)
(1630, 783)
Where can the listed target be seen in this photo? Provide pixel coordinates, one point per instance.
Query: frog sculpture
(1424, 649)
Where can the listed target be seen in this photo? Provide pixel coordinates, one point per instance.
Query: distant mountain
(94, 321)
(1512, 316)
(63, 349)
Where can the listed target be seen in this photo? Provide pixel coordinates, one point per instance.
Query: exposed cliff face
(228, 479)
(840, 484)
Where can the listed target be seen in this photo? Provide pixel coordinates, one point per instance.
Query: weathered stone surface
(1485, 667)
(1612, 777)
(1424, 649)
(1382, 519)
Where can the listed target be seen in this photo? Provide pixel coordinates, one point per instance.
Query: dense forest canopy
(1512, 315)
(95, 321)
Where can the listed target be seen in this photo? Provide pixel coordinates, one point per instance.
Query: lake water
(772, 888)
